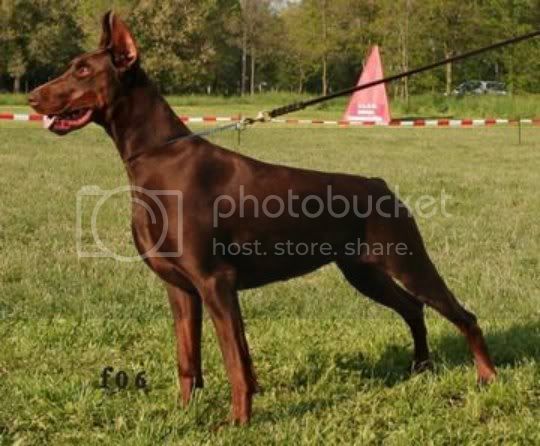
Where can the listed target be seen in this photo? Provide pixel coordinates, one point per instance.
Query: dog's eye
(83, 71)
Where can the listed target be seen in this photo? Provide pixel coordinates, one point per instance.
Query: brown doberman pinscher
(109, 87)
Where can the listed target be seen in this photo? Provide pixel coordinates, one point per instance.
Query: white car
(480, 87)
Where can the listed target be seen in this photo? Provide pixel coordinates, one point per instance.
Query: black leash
(296, 106)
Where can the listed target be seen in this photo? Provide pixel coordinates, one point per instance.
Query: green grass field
(333, 365)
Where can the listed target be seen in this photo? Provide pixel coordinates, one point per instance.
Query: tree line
(304, 46)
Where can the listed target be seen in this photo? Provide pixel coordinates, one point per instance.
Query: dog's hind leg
(187, 314)
(420, 277)
(373, 283)
(415, 271)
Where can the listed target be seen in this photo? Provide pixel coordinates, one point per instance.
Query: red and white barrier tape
(20, 117)
(341, 123)
(414, 123)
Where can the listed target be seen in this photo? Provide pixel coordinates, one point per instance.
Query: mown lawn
(333, 366)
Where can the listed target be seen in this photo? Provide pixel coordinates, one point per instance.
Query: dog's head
(91, 83)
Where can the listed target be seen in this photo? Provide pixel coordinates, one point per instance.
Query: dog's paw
(418, 367)
(486, 379)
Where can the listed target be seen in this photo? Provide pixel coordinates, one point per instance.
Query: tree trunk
(324, 79)
(252, 85)
(405, 52)
(244, 61)
(17, 84)
(447, 55)
(448, 78)
(511, 74)
(324, 76)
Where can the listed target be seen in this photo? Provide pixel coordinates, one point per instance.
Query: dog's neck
(140, 120)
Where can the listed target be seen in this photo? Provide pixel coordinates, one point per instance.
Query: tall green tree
(455, 26)
(40, 37)
(173, 36)
(16, 67)
(231, 46)
(520, 63)
(313, 35)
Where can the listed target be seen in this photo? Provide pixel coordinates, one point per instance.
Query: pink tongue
(48, 122)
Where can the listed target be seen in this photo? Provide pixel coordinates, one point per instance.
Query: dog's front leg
(187, 314)
(221, 299)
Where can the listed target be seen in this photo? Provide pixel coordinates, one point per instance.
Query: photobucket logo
(92, 201)
(337, 206)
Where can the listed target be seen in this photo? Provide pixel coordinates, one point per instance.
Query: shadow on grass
(509, 347)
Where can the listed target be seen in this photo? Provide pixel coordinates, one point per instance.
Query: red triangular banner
(370, 105)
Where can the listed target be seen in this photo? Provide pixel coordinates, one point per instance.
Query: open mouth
(68, 121)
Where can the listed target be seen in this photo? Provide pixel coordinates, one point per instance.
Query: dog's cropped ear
(118, 40)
